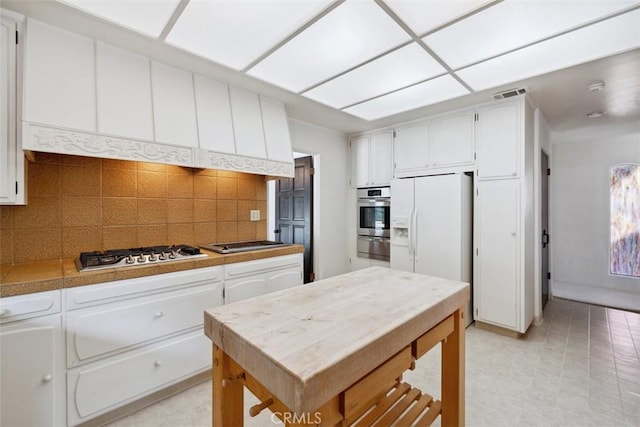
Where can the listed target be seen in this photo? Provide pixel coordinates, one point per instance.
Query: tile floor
(580, 367)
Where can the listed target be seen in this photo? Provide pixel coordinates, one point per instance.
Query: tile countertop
(50, 275)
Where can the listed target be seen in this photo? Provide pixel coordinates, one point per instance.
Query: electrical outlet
(255, 215)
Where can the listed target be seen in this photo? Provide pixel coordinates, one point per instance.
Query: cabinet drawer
(26, 306)
(86, 296)
(250, 267)
(105, 329)
(99, 387)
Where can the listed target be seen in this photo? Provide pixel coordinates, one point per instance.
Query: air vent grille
(509, 93)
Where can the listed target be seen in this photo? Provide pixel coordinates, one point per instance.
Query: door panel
(294, 222)
(410, 148)
(544, 217)
(498, 138)
(497, 260)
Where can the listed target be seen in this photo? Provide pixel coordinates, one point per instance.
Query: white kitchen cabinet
(504, 223)
(276, 130)
(499, 132)
(12, 182)
(174, 105)
(247, 123)
(213, 108)
(497, 280)
(59, 87)
(371, 159)
(105, 385)
(123, 92)
(129, 338)
(452, 140)
(252, 278)
(32, 380)
(410, 149)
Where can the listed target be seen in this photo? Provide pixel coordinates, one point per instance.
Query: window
(625, 220)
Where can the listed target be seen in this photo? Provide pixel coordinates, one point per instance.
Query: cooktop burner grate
(114, 258)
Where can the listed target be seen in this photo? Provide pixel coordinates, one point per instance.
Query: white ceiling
(383, 61)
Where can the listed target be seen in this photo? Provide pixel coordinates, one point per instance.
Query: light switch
(255, 215)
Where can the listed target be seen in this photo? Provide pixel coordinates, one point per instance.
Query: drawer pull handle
(47, 378)
(4, 312)
(159, 314)
(157, 363)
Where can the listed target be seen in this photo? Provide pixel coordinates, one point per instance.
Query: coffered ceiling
(379, 59)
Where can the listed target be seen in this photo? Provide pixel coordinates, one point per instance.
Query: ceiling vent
(509, 93)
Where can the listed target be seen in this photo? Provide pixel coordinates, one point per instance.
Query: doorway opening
(293, 211)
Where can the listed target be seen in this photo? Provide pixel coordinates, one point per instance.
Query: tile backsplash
(78, 204)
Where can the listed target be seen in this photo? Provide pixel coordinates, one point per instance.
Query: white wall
(580, 214)
(329, 150)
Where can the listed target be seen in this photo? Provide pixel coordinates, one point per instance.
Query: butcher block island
(333, 352)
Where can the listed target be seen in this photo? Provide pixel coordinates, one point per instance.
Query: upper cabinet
(451, 140)
(12, 181)
(60, 84)
(410, 149)
(174, 105)
(443, 142)
(371, 159)
(88, 98)
(123, 90)
(499, 133)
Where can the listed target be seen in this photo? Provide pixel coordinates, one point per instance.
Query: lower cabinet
(124, 339)
(32, 371)
(129, 338)
(499, 282)
(101, 386)
(252, 278)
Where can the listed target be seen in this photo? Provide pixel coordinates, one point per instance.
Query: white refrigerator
(431, 227)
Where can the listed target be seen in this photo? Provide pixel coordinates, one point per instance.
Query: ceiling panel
(425, 15)
(512, 24)
(430, 92)
(145, 16)
(395, 70)
(235, 33)
(352, 33)
(606, 38)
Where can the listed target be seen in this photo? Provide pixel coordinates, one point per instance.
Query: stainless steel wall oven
(374, 209)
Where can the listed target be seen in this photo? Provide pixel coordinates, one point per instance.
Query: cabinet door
(381, 158)
(276, 130)
(213, 108)
(59, 78)
(410, 151)
(246, 287)
(359, 161)
(451, 140)
(284, 279)
(499, 139)
(8, 154)
(174, 108)
(497, 280)
(124, 93)
(31, 374)
(247, 123)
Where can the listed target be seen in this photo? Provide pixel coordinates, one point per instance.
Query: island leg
(453, 366)
(228, 391)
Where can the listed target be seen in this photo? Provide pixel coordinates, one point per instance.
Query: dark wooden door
(294, 211)
(544, 217)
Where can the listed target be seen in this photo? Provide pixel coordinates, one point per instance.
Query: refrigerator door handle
(414, 231)
(410, 232)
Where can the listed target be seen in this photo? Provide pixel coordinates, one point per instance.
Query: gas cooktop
(113, 258)
(233, 247)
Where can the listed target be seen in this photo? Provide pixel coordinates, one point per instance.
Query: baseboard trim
(498, 329)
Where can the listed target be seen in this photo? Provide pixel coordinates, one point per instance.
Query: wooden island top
(308, 344)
